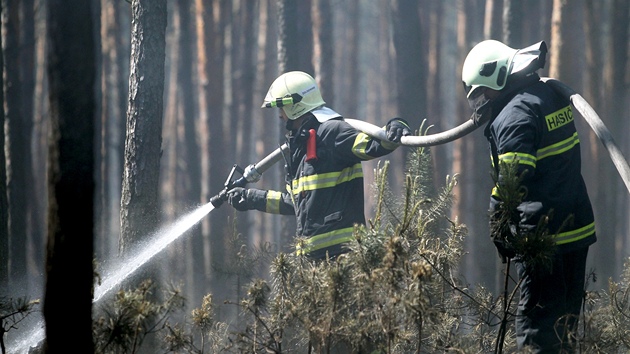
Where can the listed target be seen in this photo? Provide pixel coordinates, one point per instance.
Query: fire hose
(600, 129)
(254, 171)
(583, 107)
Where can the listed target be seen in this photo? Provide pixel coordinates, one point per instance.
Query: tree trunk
(612, 201)
(4, 202)
(492, 19)
(472, 162)
(188, 171)
(513, 23)
(17, 144)
(411, 73)
(594, 94)
(242, 98)
(323, 49)
(35, 227)
(288, 60)
(140, 203)
(215, 160)
(70, 273)
(263, 121)
(112, 125)
(351, 61)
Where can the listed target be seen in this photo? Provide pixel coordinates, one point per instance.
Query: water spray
(117, 273)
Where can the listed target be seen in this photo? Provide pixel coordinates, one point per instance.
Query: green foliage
(534, 245)
(123, 324)
(211, 336)
(397, 290)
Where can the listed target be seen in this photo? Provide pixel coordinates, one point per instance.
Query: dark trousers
(550, 302)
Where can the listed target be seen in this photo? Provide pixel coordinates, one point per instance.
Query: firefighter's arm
(274, 202)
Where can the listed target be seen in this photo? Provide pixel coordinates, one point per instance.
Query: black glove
(502, 234)
(396, 128)
(237, 197)
(243, 199)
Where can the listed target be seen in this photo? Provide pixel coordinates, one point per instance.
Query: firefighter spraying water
(324, 176)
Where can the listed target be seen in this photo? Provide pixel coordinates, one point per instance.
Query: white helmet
(295, 92)
(488, 64)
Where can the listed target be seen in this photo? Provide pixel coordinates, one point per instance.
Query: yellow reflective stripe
(558, 148)
(326, 240)
(575, 235)
(360, 143)
(525, 159)
(326, 180)
(273, 202)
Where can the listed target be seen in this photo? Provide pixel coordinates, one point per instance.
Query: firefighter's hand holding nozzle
(396, 128)
(243, 199)
(237, 197)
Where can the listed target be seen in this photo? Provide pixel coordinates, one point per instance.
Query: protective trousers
(550, 302)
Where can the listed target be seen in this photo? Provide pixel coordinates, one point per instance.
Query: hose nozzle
(219, 199)
(251, 173)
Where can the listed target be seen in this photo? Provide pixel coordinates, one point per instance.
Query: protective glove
(238, 198)
(396, 128)
(243, 199)
(502, 234)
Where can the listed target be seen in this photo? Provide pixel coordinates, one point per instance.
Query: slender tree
(611, 215)
(114, 76)
(140, 212)
(472, 162)
(17, 142)
(288, 60)
(69, 267)
(492, 19)
(210, 21)
(36, 211)
(323, 49)
(351, 62)
(188, 171)
(264, 119)
(4, 203)
(411, 72)
(513, 23)
(240, 122)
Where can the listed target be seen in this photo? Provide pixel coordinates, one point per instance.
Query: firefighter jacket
(535, 127)
(324, 193)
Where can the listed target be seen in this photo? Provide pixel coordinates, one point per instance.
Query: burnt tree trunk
(69, 267)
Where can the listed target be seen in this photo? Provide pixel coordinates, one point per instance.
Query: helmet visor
(282, 101)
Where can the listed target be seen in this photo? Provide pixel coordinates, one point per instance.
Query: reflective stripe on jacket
(326, 194)
(536, 128)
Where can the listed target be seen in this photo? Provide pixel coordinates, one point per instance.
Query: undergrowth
(396, 290)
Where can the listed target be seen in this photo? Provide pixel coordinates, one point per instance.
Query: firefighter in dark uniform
(531, 125)
(324, 177)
